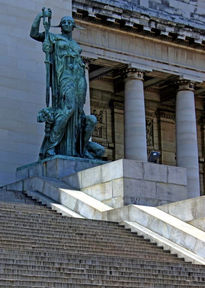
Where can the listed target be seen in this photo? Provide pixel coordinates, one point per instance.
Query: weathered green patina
(67, 128)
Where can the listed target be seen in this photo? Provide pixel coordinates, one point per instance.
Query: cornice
(109, 15)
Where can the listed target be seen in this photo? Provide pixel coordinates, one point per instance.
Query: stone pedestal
(56, 167)
(186, 136)
(135, 127)
(125, 182)
(115, 184)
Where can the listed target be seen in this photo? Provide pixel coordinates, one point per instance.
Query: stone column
(135, 126)
(186, 135)
(203, 153)
(87, 101)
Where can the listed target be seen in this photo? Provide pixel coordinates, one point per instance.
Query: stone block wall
(125, 182)
(22, 82)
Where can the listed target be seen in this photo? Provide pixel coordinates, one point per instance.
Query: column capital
(133, 73)
(184, 85)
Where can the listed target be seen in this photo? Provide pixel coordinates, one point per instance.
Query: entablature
(109, 15)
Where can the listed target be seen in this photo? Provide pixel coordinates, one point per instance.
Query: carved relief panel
(100, 107)
(167, 136)
(150, 132)
(101, 127)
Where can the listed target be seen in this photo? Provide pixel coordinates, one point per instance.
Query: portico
(141, 89)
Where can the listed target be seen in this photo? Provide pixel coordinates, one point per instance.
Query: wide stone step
(85, 285)
(94, 251)
(76, 235)
(24, 224)
(118, 271)
(58, 242)
(75, 242)
(61, 225)
(91, 260)
(64, 277)
(122, 265)
(10, 206)
(86, 273)
(97, 279)
(78, 239)
(79, 232)
(17, 256)
(88, 269)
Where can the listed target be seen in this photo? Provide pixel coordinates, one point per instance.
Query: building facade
(145, 65)
(148, 52)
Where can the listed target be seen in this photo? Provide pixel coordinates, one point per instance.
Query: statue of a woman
(69, 131)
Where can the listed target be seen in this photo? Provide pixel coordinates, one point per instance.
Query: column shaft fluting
(135, 126)
(186, 136)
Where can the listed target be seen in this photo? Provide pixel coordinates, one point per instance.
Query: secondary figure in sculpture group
(67, 128)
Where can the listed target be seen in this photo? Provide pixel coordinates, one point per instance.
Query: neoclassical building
(146, 75)
(145, 66)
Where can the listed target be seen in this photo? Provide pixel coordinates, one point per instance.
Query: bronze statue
(67, 128)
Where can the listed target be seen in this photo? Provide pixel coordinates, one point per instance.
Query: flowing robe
(68, 86)
(68, 93)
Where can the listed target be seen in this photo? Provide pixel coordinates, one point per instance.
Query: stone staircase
(40, 248)
(154, 224)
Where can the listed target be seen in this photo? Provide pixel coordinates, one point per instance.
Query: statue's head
(67, 24)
